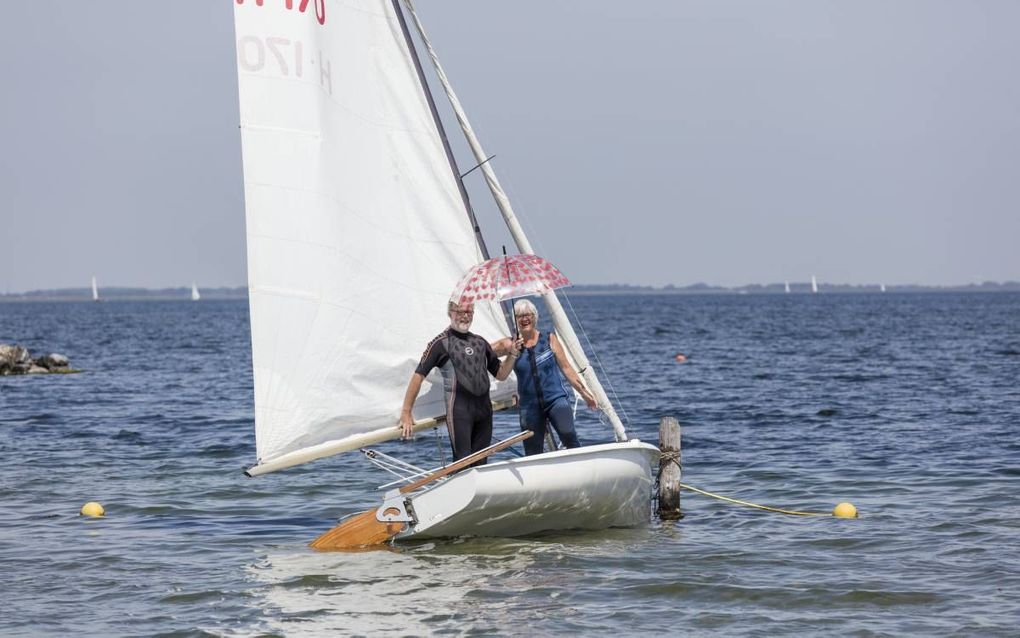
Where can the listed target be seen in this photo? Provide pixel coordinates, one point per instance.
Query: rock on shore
(15, 359)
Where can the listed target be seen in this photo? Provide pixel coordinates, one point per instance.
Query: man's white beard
(461, 326)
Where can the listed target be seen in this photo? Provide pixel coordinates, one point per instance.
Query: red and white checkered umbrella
(507, 277)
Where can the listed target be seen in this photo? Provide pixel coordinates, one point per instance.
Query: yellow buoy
(93, 509)
(845, 510)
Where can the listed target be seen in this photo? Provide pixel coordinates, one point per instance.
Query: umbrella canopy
(507, 277)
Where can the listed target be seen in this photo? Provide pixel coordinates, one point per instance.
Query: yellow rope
(761, 507)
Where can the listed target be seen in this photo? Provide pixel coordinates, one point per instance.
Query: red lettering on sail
(320, 7)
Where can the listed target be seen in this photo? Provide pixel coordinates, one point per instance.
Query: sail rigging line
(559, 317)
(477, 166)
(525, 221)
(506, 306)
(598, 360)
(404, 471)
(439, 126)
(439, 446)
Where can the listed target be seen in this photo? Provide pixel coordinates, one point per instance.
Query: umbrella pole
(513, 312)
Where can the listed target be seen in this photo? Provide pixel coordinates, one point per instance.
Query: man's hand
(406, 421)
(406, 425)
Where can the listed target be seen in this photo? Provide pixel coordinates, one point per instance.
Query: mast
(559, 318)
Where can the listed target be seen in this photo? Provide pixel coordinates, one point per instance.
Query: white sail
(814, 284)
(787, 285)
(559, 318)
(95, 289)
(357, 232)
(194, 292)
(881, 287)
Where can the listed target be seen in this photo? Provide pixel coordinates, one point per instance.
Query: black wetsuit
(465, 360)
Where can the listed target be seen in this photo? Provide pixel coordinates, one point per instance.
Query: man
(465, 361)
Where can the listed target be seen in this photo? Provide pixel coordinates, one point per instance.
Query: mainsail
(357, 230)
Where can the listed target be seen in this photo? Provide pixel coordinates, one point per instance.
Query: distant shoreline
(795, 288)
(214, 294)
(124, 294)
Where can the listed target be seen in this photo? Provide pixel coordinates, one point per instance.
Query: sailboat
(814, 284)
(95, 289)
(786, 285)
(358, 228)
(194, 292)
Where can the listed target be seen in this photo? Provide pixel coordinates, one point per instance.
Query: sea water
(907, 405)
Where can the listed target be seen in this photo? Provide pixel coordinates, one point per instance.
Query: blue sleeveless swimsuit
(544, 396)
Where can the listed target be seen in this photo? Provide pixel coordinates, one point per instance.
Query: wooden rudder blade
(362, 530)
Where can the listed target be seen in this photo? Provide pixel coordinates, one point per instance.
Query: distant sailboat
(814, 284)
(881, 287)
(194, 292)
(95, 289)
(787, 284)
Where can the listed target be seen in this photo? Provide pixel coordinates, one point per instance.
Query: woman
(542, 372)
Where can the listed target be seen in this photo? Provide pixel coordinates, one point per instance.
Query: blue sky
(651, 143)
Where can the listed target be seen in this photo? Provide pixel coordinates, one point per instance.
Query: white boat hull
(593, 487)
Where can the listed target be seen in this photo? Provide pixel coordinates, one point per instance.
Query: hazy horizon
(667, 143)
(795, 286)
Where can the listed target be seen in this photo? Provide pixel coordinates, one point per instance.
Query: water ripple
(906, 405)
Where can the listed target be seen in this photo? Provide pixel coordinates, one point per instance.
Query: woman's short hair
(524, 307)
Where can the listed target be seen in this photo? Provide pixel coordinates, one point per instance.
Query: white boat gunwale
(584, 450)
